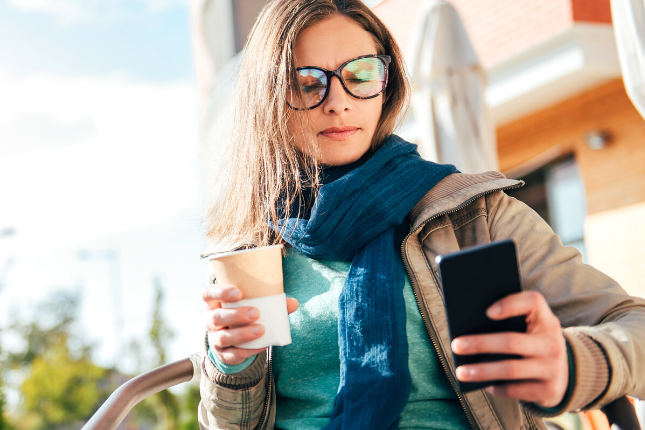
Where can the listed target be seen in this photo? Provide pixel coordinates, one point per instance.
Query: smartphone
(473, 279)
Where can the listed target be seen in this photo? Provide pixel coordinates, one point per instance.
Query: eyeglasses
(364, 77)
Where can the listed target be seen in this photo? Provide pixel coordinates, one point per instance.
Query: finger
(527, 345)
(234, 355)
(213, 305)
(292, 305)
(225, 338)
(545, 395)
(215, 294)
(529, 303)
(505, 370)
(232, 317)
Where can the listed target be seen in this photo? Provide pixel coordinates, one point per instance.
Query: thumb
(292, 305)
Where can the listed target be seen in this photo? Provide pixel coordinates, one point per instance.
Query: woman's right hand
(232, 326)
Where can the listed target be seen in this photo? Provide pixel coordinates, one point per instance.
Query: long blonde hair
(263, 172)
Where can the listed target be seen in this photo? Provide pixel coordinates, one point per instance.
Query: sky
(100, 157)
(100, 153)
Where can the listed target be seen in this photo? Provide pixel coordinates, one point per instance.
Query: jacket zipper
(429, 328)
(265, 408)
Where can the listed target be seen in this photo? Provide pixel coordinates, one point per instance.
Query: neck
(331, 173)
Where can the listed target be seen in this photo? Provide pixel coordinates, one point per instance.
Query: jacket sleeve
(601, 323)
(234, 401)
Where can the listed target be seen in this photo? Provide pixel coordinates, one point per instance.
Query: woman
(314, 164)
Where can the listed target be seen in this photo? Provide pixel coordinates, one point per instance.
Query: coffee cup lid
(222, 254)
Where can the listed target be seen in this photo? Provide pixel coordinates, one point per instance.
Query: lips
(339, 133)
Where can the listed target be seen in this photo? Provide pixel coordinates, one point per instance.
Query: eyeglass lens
(364, 77)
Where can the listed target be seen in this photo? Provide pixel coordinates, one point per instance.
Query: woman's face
(343, 125)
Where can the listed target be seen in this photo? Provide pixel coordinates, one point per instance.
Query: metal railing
(121, 401)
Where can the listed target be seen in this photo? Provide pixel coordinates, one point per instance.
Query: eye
(363, 71)
(310, 83)
(313, 87)
(357, 80)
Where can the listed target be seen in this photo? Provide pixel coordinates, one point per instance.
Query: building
(563, 120)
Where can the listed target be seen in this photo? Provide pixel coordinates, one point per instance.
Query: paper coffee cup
(257, 272)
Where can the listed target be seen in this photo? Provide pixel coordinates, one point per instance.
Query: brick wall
(399, 17)
(500, 28)
(614, 176)
(591, 10)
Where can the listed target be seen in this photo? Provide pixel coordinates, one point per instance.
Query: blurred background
(100, 206)
(110, 114)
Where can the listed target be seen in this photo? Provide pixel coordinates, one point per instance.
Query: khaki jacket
(601, 323)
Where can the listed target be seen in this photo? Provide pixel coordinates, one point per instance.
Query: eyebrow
(341, 64)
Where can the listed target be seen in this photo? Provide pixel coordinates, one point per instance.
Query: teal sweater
(307, 372)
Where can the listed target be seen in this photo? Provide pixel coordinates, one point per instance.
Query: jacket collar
(456, 191)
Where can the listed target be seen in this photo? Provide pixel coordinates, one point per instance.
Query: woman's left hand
(542, 376)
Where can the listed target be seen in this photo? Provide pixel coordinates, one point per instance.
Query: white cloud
(82, 11)
(95, 152)
(102, 163)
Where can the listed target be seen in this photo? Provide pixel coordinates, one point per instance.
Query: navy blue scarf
(359, 215)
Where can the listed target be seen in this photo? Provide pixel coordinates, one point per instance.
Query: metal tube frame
(124, 398)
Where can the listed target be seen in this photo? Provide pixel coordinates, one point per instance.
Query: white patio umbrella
(451, 121)
(212, 26)
(628, 17)
(216, 63)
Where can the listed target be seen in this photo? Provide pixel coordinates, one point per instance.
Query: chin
(338, 156)
(340, 159)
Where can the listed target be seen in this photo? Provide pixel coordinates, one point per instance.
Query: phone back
(474, 279)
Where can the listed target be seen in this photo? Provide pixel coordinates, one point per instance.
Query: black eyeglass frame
(386, 59)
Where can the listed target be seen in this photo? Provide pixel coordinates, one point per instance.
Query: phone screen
(472, 280)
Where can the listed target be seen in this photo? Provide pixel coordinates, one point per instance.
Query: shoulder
(458, 190)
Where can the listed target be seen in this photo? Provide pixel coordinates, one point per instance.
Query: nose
(337, 100)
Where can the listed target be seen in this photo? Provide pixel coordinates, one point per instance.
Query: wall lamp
(597, 139)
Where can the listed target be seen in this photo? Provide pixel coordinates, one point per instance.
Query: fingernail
(252, 314)
(494, 310)
(460, 345)
(459, 373)
(234, 294)
(464, 373)
(257, 330)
